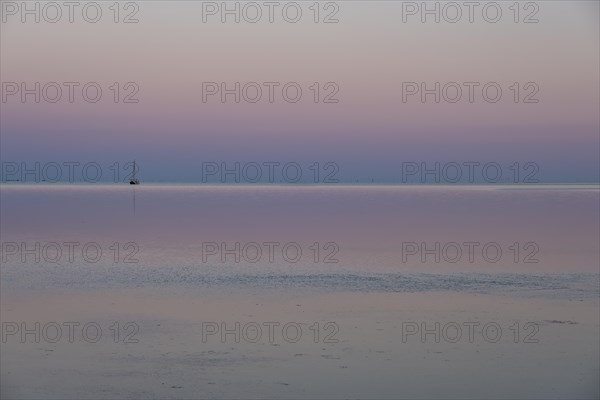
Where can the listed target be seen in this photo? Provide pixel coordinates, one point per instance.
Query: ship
(134, 180)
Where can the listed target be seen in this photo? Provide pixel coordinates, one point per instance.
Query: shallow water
(351, 262)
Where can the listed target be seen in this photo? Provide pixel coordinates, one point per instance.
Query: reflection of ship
(134, 180)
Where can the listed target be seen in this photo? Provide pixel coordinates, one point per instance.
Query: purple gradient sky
(368, 54)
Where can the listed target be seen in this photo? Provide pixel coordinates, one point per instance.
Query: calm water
(539, 241)
(360, 259)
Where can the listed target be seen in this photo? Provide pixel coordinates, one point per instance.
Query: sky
(363, 65)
